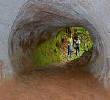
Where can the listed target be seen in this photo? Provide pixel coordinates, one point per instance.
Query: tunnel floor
(54, 84)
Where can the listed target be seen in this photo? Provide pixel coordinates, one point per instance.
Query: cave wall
(51, 14)
(8, 10)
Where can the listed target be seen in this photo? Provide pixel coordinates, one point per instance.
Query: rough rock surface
(48, 15)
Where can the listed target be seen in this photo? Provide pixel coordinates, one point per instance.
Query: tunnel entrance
(37, 23)
(57, 49)
(52, 49)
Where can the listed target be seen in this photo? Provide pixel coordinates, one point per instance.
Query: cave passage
(36, 38)
(38, 46)
(55, 50)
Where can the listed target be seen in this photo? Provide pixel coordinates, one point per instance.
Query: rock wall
(43, 16)
(9, 11)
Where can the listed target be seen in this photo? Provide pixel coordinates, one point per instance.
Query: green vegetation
(48, 52)
(86, 40)
(51, 51)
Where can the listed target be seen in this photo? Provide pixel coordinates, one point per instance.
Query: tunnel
(43, 17)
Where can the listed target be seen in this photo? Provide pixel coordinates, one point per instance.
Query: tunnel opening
(56, 50)
(37, 22)
(52, 49)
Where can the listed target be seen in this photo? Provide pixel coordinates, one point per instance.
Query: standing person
(75, 39)
(77, 43)
(70, 46)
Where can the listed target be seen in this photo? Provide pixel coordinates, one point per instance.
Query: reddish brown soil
(53, 84)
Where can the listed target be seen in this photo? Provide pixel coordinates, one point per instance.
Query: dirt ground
(53, 84)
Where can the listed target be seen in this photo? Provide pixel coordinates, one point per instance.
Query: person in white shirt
(77, 45)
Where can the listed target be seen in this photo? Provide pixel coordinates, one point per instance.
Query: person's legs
(76, 51)
(79, 50)
(70, 54)
(71, 50)
(68, 50)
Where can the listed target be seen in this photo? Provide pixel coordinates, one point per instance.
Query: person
(77, 46)
(75, 38)
(70, 46)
